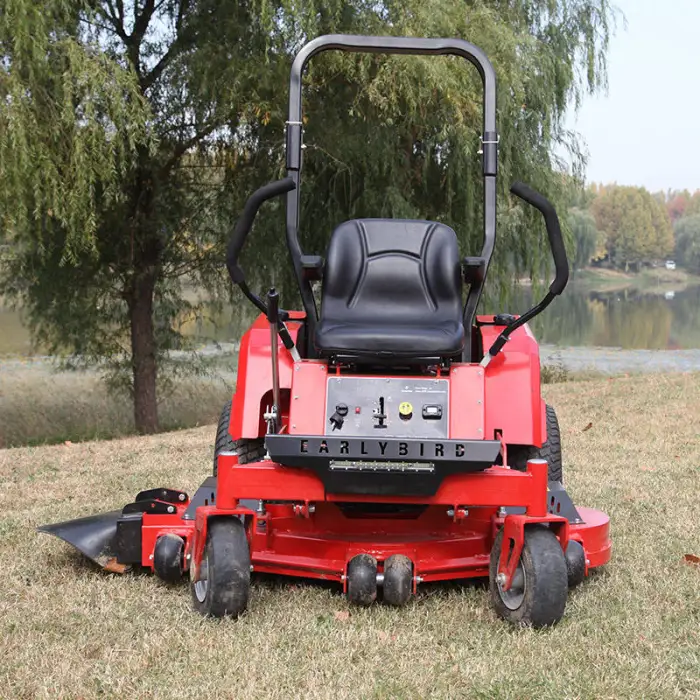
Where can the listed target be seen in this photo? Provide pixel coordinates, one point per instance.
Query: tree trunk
(143, 352)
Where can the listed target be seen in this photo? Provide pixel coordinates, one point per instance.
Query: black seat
(391, 289)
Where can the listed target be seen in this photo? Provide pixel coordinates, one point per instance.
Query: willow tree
(130, 133)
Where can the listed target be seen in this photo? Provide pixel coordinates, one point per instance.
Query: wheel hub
(201, 586)
(514, 596)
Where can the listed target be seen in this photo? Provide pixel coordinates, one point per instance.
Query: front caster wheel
(575, 563)
(398, 579)
(362, 579)
(537, 596)
(167, 557)
(222, 586)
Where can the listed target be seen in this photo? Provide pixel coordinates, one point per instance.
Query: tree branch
(185, 146)
(111, 15)
(179, 42)
(141, 22)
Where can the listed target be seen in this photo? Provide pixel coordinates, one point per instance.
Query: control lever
(272, 414)
(379, 414)
(561, 266)
(288, 342)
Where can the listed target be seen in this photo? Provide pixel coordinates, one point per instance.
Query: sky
(646, 129)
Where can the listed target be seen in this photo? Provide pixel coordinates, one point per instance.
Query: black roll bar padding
(245, 223)
(556, 240)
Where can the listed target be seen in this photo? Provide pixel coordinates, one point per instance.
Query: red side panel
(255, 376)
(307, 407)
(467, 402)
(512, 388)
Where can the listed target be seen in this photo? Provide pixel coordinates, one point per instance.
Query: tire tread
(247, 449)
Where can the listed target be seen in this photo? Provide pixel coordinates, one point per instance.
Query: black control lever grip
(245, 223)
(556, 240)
(273, 307)
(561, 264)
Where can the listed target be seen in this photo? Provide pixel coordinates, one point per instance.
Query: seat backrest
(388, 271)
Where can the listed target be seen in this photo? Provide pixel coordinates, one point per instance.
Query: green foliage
(687, 232)
(587, 239)
(132, 132)
(635, 225)
(693, 207)
(70, 123)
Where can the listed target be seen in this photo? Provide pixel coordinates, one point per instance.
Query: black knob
(336, 420)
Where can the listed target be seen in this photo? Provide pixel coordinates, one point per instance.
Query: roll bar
(290, 186)
(388, 45)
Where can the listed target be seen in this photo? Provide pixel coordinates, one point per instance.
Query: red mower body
(305, 530)
(388, 438)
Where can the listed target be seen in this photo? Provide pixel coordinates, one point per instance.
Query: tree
(635, 225)
(677, 204)
(130, 133)
(587, 239)
(687, 232)
(693, 207)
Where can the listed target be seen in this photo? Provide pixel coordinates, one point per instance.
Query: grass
(38, 406)
(68, 630)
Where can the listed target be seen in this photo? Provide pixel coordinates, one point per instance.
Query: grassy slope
(38, 406)
(633, 630)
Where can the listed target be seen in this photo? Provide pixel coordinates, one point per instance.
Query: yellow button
(405, 409)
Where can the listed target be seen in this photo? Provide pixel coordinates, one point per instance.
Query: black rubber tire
(575, 563)
(248, 450)
(362, 580)
(518, 455)
(227, 561)
(398, 580)
(545, 586)
(167, 557)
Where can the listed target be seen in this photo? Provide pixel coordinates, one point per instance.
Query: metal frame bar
(390, 45)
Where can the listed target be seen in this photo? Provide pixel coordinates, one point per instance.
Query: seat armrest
(473, 270)
(312, 267)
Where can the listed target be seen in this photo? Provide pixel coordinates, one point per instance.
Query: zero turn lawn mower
(390, 439)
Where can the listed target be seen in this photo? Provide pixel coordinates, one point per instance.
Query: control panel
(394, 407)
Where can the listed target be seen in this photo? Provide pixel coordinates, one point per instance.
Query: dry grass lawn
(38, 406)
(68, 630)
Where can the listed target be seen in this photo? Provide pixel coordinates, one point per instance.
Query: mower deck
(296, 529)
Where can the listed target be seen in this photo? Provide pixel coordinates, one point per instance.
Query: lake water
(627, 319)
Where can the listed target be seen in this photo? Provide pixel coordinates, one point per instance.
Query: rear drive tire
(223, 586)
(518, 455)
(248, 450)
(538, 595)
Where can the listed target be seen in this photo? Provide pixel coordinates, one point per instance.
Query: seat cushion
(391, 288)
(394, 341)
